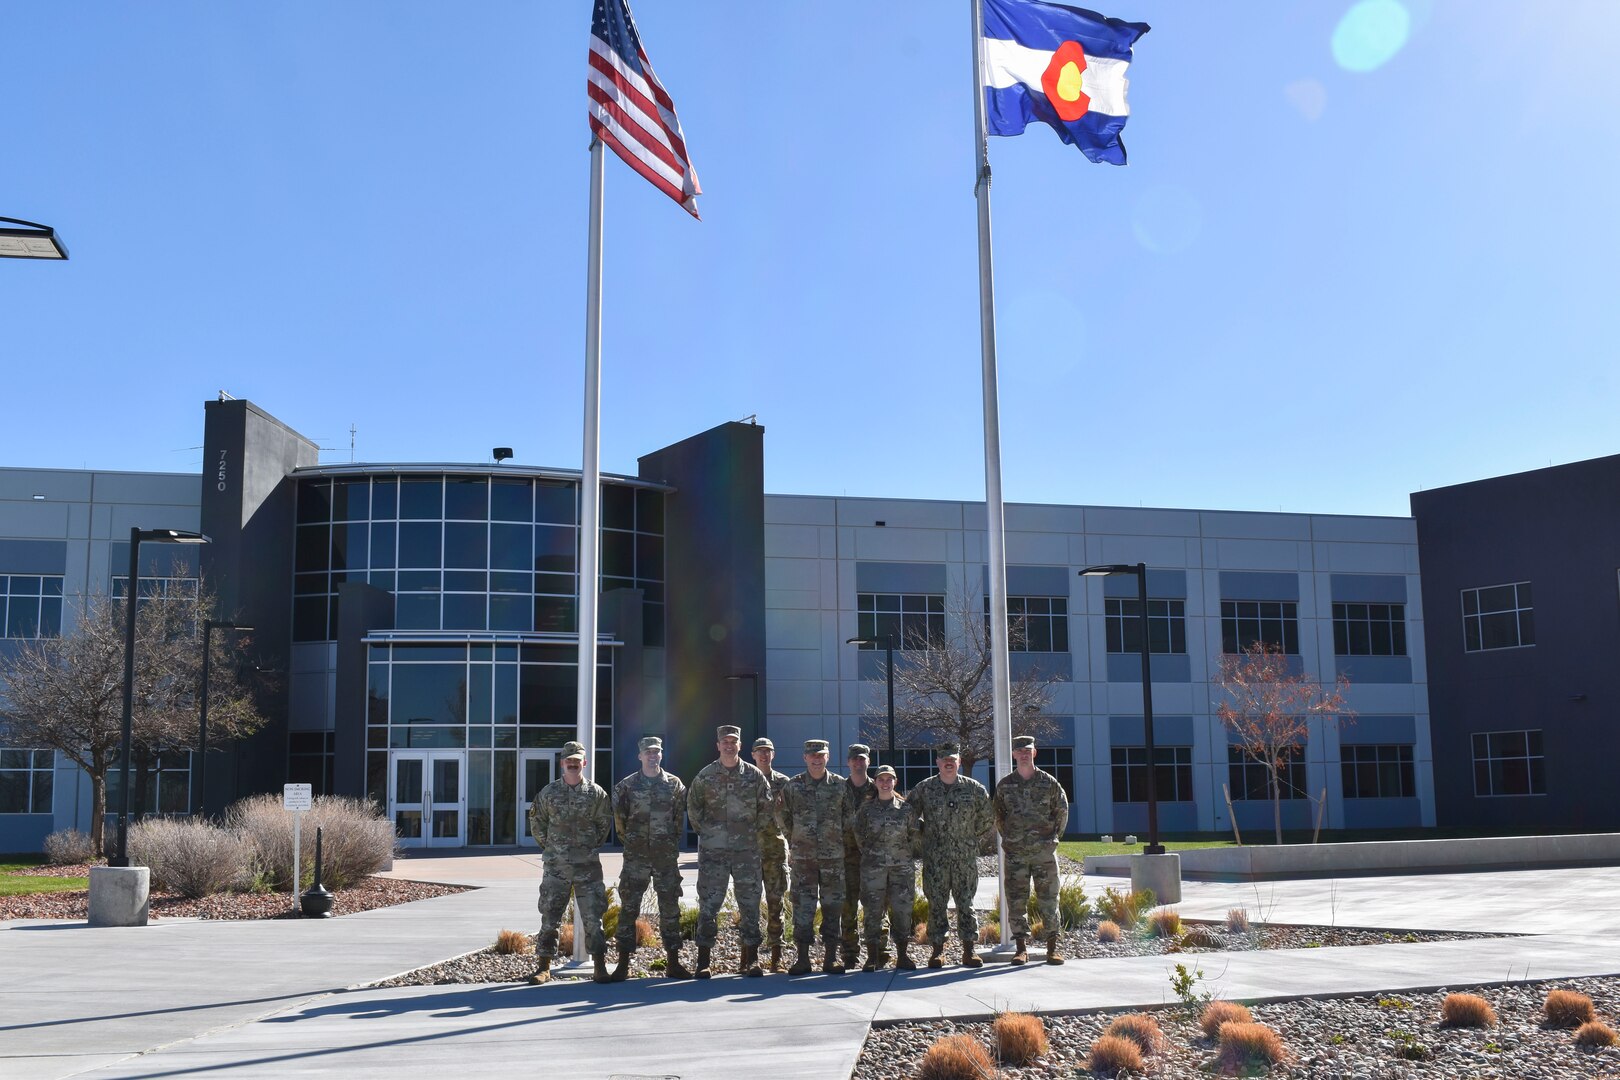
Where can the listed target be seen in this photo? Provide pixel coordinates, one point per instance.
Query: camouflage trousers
(661, 871)
(742, 870)
(773, 866)
(817, 879)
(1039, 864)
(891, 887)
(857, 895)
(946, 879)
(582, 878)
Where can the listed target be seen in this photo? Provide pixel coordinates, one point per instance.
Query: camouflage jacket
(649, 812)
(1030, 814)
(812, 813)
(770, 829)
(854, 799)
(729, 807)
(885, 833)
(570, 823)
(953, 821)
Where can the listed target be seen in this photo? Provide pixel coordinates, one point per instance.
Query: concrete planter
(119, 895)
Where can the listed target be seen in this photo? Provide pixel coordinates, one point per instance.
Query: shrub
(1594, 1034)
(1073, 907)
(513, 943)
(69, 847)
(919, 933)
(1199, 937)
(1237, 920)
(919, 909)
(1567, 1009)
(1141, 1029)
(1112, 1054)
(1217, 1013)
(1467, 1010)
(689, 921)
(193, 858)
(356, 840)
(1108, 930)
(610, 914)
(1116, 906)
(956, 1057)
(1165, 923)
(645, 934)
(1245, 1048)
(1020, 1037)
(565, 935)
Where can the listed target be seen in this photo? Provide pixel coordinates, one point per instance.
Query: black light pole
(209, 625)
(753, 677)
(131, 599)
(1140, 570)
(31, 241)
(888, 667)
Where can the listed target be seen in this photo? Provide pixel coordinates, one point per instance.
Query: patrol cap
(883, 770)
(859, 749)
(947, 749)
(573, 749)
(762, 743)
(725, 731)
(815, 746)
(650, 742)
(1023, 742)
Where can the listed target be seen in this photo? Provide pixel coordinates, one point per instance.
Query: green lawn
(1079, 849)
(12, 884)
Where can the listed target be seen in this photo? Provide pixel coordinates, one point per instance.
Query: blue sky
(1360, 249)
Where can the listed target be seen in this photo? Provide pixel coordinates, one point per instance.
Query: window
(25, 781)
(1249, 778)
(168, 784)
(30, 606)
(1378, 772)
(910, 620)
(911, 767)
(309, 760)
(1244, 622)
(1172, 779)
(1167, 625)
(1369, 629)
(1059, 761)
(1498, 617)
(1045, 622)
(1509, 763)
(155, 588)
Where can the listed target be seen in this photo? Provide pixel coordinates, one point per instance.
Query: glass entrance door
(428, 797)
(536, 769)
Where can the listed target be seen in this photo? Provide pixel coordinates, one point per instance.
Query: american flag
(630, 110)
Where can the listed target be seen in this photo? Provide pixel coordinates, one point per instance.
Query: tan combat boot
(673, 968)
(873, 957)
(599, 972)
(542, 971)
(1022, 955)
(936, 959)
(902, 959)
(1052, 956)
(830, 964)
(801, 966)
(703, 969)
(776, 956)
(968, 959)
(621, 970)
(749, 968)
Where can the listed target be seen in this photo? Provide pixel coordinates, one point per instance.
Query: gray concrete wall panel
(909, 577)
(1369, 588)
(1249, 585)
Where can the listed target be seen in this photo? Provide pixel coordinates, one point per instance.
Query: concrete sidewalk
(268, 999)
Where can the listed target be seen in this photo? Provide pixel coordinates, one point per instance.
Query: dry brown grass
(920, 933)
(565, 938)
(513, 943)
(1467, 1010)
(1246, 1048)
(1108, 930)
(645, 934)
(1122, 908)
(1141, 1029)
(1237, 920)
(956, 1057)
(1217, 1013)
(990, 934)
(1567, 1009)
(1020, 1038)
(1593, 1034)
(1165, 922)
(1111, 1054)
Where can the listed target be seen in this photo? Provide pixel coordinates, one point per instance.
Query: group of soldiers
(829, 835)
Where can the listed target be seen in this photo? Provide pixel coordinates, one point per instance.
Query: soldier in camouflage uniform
(649, 808)
(1031, 813)
(728, 804)
(858, 790)
(951, 814)
(772, 852)
(570, 819)
(888, 870)
(811, 811)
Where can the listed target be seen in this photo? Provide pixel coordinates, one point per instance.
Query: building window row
(1378, 772)
(910, 620)
(1273, 623)
(1498, 617)
(1250, 779)
(1509, 763)
(1369, 629)
(30, 605)
(1172, 774)
(1035, 623)
(1167, 625)
(26, 777)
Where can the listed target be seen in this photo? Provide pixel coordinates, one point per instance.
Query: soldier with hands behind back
(951, 813)
(729, 803)
(649, 807)
(1031, 813)
(570, 820)
(810, 809)
(883, 831)
(772, 852)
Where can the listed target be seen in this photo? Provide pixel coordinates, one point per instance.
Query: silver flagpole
(995, 524)
(590, 496)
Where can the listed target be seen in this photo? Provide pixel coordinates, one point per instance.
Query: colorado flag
(1062, 66)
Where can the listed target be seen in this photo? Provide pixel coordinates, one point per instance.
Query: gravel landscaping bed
(371, 893)
(1360, 1038)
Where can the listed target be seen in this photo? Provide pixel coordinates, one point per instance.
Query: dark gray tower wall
(247, 510)
(714, 557)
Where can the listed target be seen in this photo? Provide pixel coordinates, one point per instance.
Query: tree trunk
(98, 808)
(1276, 805)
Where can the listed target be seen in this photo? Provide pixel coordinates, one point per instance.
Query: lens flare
(1370, 34)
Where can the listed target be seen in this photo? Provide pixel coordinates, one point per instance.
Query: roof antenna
(351, 443)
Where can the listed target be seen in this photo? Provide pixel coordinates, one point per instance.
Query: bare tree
(66, 693)
(942, 688)
(1268, 707)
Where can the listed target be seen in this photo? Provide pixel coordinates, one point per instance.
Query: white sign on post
(296, 798)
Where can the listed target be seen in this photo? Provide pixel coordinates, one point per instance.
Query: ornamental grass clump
(1020, 1038)
(1112, 1054)
(1237, 920)
(1567, 1009)
(1594, 1034)
(1125, 908)
(1141, 1029)
(645, 934)
(1165, 923)
(513, 943)
(1217, 1013)
(956, 1057)
(1467, 1010)
(1108, 930)
(1243, 1049)
(1073, 907)
(1199, 937)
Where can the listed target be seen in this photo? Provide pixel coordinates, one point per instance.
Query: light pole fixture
(131, 601)
(29, 240)
(200, 776)
(753, 677)
(1140, 571)
(888, 668)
